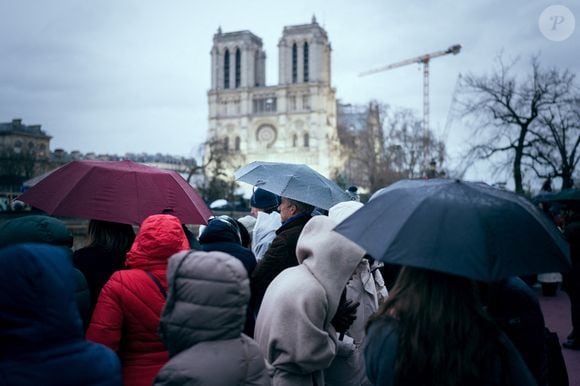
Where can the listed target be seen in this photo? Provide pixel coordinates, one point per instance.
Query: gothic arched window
(294, 140)
(294, 63)
(238, 67)
(306, 62)
(238, 141)
(306, 140)
(227, 69)
(226, 144)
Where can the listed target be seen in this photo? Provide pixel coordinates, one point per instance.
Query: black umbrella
(463, 228)
(565, 195)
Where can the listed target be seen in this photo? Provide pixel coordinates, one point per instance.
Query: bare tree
(412, 152)
(556, 153)
(362, 138)
(509, 108)
(17, 167)
(382, 145)
(207, 153)
(216, 164)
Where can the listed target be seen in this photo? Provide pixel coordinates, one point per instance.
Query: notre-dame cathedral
(294, 121)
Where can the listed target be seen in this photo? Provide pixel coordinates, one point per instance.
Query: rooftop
(16, 126)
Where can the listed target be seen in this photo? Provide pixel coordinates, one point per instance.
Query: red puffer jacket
(126, 317)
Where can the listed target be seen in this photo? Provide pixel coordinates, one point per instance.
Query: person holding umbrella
(282, 252)
(432, 330)
(126, 318)
(104, 255)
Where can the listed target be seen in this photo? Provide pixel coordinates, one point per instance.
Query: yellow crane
(423, 59)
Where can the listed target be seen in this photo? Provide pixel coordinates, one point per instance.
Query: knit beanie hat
(262, 199)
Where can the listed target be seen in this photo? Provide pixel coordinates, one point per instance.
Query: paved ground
(557, 317)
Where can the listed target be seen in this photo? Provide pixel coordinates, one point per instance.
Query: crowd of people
(272, 298)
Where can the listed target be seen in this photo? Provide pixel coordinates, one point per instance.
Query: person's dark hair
(111, 236)
(445, 335)
(301, 207)
(231, 223)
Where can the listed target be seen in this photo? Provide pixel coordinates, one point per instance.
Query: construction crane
(423, 59)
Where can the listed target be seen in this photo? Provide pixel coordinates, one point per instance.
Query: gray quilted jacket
(202, 323)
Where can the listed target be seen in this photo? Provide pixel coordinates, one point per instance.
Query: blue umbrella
(463, 228)
(296, 181)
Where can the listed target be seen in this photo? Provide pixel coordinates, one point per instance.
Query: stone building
(24, 153)
(17, 138)
(293, 121)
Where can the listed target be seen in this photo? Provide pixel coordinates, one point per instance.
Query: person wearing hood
(223, 234)
(366, 287)
(49, 230)
(41, 334)
(126, 317)
(207, 347)
(294, 328)
(264, 232)
(264, 205)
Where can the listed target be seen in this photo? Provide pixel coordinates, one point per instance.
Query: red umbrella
(117, 191)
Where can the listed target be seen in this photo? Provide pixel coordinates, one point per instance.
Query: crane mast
(423, 59)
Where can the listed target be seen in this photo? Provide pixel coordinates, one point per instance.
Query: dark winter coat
(48, 230)
(202, 323)
(217, 236)
(126, 318)
(382, 343)
(41, 335)
(515, 308)
(97, 264)
(280, 255)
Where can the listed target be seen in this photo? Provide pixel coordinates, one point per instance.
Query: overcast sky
(116, 76)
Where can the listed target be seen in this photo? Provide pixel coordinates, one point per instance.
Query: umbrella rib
(66, 197)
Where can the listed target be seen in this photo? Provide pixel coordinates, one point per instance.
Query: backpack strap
(156, 281)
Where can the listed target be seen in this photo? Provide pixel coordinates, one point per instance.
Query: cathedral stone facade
(293, 121)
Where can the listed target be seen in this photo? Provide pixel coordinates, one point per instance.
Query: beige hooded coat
(293, 326)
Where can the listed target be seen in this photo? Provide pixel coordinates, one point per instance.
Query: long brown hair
(445, 337)
(111, 236)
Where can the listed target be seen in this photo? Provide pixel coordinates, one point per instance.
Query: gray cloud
(117, 76)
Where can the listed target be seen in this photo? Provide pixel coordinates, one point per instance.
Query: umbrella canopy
(296, 181)
(543, 197)
(565, 195)
(35, 180)
(462, 228)
(117, 191)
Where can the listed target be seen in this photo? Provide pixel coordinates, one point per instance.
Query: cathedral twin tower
(293, 121)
